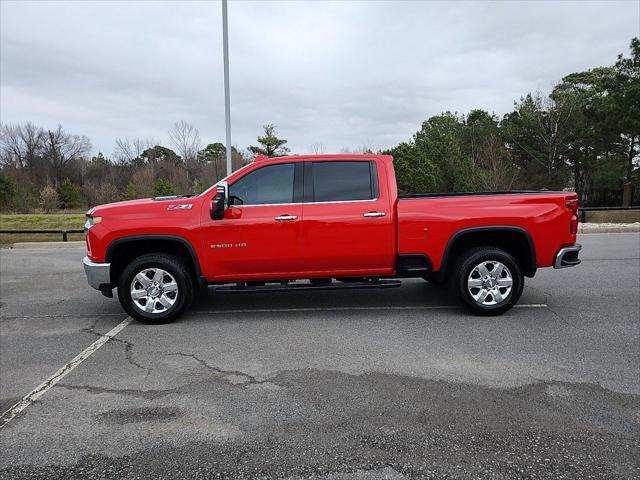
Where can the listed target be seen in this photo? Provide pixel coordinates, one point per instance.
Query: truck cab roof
(324, 157)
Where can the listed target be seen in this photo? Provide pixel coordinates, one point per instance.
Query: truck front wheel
(488, 280)
(155, 288)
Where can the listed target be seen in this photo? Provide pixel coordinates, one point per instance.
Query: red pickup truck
(324, 221)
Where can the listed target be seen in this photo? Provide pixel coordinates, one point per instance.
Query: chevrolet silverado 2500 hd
(324, 221)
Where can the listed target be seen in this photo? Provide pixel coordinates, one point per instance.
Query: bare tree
(126, 151)
(11, 146)
(555, 127)
(62, 147)
(20, 145)
(186, 139)
(366, 148)
(549, 123)
(33, 139)
(317, 148)
(143, 181)
(498, 172)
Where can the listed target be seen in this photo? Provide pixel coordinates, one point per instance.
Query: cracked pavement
(345, 393)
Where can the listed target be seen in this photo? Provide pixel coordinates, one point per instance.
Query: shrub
(7, 192)
(130, 193)
(68, 194)
(107, 193)
(49, 198)
(163, 188)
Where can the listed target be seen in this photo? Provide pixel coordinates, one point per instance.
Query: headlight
(91, 221)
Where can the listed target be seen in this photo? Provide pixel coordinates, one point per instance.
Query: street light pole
(227, 101)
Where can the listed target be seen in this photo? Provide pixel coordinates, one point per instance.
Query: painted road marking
(276, 310)
(41, 389)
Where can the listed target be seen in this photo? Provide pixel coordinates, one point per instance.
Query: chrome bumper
(568, 256)
(97, 273)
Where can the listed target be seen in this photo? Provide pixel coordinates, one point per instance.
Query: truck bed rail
(409, 196)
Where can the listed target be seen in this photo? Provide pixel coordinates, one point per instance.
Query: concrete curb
(608, 228)
(31, 245)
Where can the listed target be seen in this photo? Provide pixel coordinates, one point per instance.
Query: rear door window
(343, 181)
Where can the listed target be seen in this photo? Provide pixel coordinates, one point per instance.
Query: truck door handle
(374, 214)
(286, 218)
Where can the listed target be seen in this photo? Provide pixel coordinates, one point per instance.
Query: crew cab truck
(324, 221)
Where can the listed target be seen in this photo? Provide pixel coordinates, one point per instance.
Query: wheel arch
(122, 250)
(515, 240)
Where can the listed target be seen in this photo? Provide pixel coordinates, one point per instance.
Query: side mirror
(220, 202)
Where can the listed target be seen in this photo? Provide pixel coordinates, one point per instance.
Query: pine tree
(272, 146)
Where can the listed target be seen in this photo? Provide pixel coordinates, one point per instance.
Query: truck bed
(427, 222)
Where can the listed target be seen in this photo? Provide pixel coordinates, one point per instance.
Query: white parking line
(342, 309)
(266, 310)
(40, 390)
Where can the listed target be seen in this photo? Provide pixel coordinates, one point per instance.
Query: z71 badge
(228, 245)
(181, 206)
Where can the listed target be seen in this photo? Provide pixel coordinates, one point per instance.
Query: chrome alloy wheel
(490, 283)
(154, 290)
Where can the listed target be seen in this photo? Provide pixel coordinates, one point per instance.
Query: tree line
(584, 135)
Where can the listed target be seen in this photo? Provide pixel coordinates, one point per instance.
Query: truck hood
(151, 206)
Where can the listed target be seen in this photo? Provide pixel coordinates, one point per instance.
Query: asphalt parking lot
(396, 383)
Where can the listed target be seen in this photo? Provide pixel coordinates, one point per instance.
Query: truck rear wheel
(488, 280)
(155, 288)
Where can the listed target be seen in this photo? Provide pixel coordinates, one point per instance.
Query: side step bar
(300, 286)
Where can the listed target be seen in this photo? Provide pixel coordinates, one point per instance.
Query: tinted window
(341, 181)
(272, 184)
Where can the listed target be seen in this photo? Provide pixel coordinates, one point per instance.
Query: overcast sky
(344, 74)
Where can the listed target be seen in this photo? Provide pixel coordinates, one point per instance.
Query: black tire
(468, 262)
(176, 268)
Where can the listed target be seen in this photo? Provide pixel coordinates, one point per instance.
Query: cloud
(344, 74)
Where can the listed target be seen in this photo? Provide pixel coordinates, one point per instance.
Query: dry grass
(62, 221)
